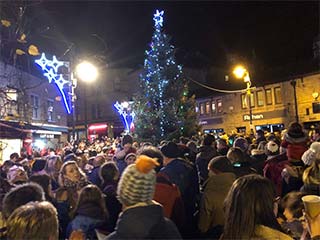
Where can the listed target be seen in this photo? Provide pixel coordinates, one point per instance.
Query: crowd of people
(209, 187)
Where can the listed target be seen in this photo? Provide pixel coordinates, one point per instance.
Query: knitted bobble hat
(137, 183)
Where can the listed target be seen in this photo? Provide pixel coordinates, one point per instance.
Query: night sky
(274, 39)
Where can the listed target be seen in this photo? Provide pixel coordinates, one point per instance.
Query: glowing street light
(241, 72)
(86, 71)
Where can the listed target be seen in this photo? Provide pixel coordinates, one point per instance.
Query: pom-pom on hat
(272, 148)
(311, 154)
(137, 183)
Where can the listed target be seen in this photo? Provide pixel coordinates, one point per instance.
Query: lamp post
(242, 73)
(88, 73)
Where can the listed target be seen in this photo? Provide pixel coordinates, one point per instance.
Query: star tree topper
(158, 18)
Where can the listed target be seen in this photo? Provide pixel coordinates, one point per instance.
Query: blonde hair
(312, 174)
(62, 172)
(35, 220)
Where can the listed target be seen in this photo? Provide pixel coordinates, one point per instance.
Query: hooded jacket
(216, 189)
(144, 222)
(206, 153)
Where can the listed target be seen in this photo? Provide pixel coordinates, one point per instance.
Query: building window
(50, 110)
(219, 105)
(201, 108)
(213, 106)
(260, 99)
(244, 101)
(208, 107)
(268, 97)
(35, 107)
(277, 95)
(252, 102)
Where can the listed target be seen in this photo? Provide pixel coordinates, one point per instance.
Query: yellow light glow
(239, 71)
(86, 72)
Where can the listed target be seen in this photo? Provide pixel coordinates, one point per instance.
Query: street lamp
(88, 73)
(242, 73)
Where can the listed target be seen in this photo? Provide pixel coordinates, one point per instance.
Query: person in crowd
(141, 218)
(260, 136)
(207, 151)
(130, 158)
(243, 144)
(17, 175)
(6, 165)
(274, 165)
(166, 193)
(240, 163)
(44, 181)
(251, 209)
(309, 156)
(311, 176)
(20, 195)
(293, 206)
(53, 166)
(211, 215)
(222, 147)
(35, 220)
(38, 166)
(193, 151)
(126, 148)
(93, 176)
(295, 142)
(109, 175)
(90, 212)
(14, 157)
(183, 174)
(71, 180)
(258, 157)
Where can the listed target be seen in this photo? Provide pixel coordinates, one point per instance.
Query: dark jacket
(311, 189)
(113, 205)
(93, 176)
(206, 153)
(257, 161)
(144, 222)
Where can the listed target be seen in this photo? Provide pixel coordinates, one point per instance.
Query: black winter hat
(38, 165)
(220, 163)
(171, 150)
(126, 139)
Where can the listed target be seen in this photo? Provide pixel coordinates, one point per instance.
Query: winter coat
(168, 195)
(295, 145)
(267, 233)
(273, 169)
(293, 228)
(144, 222)
(243, 168)
(93, 176)
(113, 205)
(216, 189)
(184, 175)
(206, 153)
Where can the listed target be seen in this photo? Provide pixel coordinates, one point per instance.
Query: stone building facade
(273, 107)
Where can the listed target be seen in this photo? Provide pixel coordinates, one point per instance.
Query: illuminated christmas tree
(162, 105)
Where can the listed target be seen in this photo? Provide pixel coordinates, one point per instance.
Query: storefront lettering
(254, 117)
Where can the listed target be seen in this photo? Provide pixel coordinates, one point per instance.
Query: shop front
(97, 130)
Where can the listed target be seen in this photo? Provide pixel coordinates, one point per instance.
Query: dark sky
(272, 38)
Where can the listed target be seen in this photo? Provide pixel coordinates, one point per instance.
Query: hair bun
(145, 164)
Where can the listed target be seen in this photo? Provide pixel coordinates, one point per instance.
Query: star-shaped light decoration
(50, 71)
(158, 18)
(126, 114)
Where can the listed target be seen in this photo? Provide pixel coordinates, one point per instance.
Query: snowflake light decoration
(50, 71)
(126, 113)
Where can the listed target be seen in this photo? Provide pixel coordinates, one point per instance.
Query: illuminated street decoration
(158, 18)
(127, 114)
(50, 71)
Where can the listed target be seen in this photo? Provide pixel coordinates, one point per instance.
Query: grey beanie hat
(137, 183)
